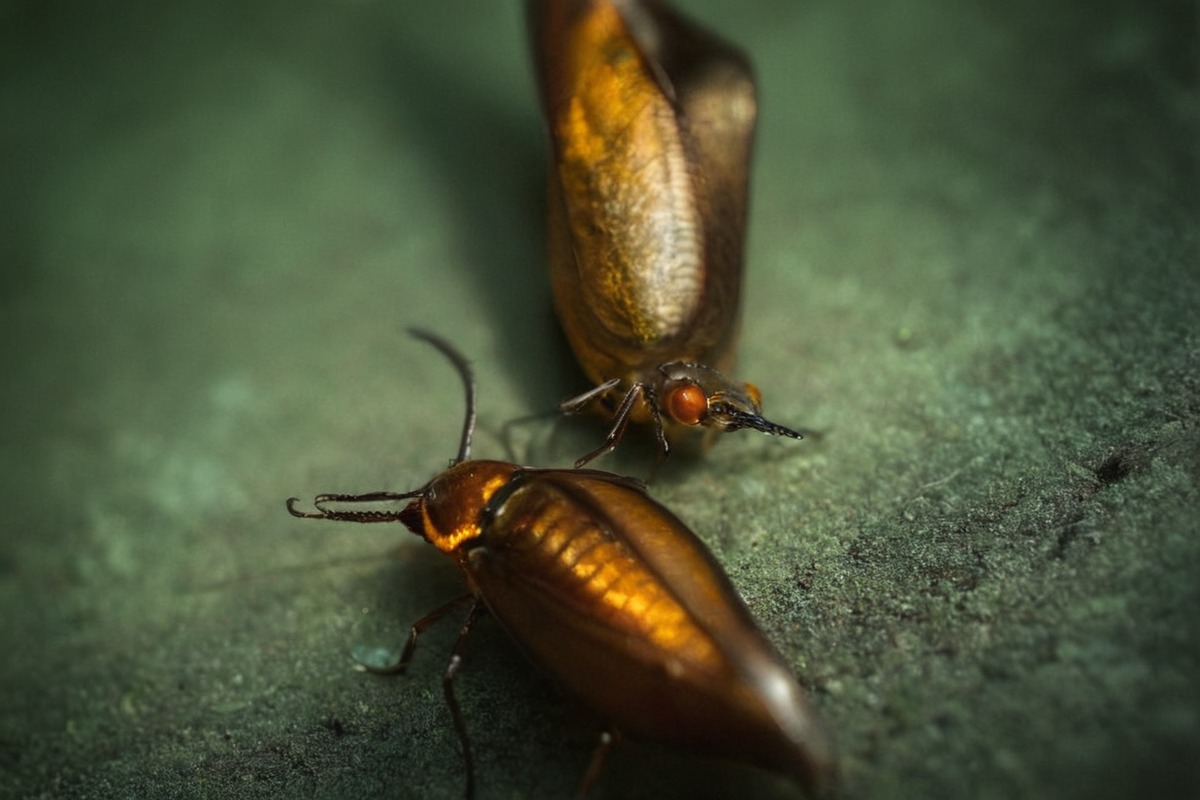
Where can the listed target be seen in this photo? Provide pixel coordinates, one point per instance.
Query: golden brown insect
(651, 121)
(610, 593)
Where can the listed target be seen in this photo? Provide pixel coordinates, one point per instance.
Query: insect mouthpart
(693, 394)
(729, 416)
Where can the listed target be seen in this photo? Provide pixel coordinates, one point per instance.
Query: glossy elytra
(651, 121)
(613, 596)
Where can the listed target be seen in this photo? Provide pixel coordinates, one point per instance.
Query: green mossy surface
(974, 268)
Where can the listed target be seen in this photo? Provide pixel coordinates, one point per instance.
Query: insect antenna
(320, 503)
(464, 372)
(353, 514)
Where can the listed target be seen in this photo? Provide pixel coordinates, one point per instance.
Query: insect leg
(577, 403)
(456, 656)
(415, 631)
(664, 446)
(608, 738)
(620, 424)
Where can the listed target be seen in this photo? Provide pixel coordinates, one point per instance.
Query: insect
(611, 594)
(651, 120)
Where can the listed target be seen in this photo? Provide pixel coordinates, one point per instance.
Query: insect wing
(614, 596)
(651, 120)
(713, 87)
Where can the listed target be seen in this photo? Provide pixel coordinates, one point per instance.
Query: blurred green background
(973, 267)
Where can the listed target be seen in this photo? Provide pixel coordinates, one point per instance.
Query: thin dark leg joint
(414, 633)
(595, 765)
(620, 424)
(456, 656)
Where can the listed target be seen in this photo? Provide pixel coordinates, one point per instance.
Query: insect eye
(754, 394)
(687, 404)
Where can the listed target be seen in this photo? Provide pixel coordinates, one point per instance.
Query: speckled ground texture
(973, 268)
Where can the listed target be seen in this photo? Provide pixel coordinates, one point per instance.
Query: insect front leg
(580, 402)
(456, 656)
(415, 631)
(595, 765)
(620, 423)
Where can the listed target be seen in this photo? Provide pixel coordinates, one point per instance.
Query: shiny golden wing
(651, 120)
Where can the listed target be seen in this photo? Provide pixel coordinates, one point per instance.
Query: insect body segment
(636, 618)
(651, 121)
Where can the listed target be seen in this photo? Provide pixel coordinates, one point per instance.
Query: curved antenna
(320, 511)
(464, 372)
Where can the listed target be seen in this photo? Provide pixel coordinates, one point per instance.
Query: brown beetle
(651, 121)
(610, 593)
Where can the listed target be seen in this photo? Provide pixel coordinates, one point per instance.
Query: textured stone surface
(973, 267)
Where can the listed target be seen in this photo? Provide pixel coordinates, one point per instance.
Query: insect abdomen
(618, 600)
(552, 546)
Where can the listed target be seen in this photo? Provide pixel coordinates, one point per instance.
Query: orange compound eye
(754, 394)
(687, 404)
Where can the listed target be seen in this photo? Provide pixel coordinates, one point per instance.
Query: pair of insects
(651, 119)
